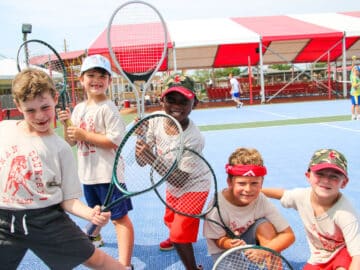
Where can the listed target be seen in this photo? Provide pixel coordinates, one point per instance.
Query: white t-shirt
(327, 234)
(95, 164)
(194, 140)
(240, 218)
(35, 172)
(235, 86)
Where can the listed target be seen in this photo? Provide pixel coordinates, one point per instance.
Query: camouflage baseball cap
(181, 84)
(328, 158)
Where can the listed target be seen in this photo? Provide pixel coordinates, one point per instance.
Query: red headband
(245, 170)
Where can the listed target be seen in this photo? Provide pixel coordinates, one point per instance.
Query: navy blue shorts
(249, 236)
(96, 194)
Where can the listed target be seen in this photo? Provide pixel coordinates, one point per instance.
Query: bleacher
(293, 90)
(218, 93)
(8, 109)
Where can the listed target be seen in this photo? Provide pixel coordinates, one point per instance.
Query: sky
(75, 24)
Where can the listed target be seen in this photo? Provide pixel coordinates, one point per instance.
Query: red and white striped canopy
(226, 42)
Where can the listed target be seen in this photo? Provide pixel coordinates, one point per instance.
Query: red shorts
(184, 229)
(341, 259)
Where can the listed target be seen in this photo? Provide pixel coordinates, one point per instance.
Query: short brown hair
(30, 83)
(246, 156)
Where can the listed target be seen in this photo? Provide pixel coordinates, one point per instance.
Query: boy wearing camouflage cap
(331, 223)
(178, 100)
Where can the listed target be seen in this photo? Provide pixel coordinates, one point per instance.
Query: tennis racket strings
(139, 164)
(138, 157)
(140, 38)
(251, 257)
(137, 42)
(36, 53)
(39, 54)
(189, 188)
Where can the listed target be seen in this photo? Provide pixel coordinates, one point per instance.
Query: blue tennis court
(286, 150)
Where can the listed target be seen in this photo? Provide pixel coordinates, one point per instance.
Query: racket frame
(131, 78)
(114, 180)
(215, 202)
(24, 46)
(90, 228)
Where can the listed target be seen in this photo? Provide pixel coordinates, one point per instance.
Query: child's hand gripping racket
(251, 257)
(39, 54)
(137, 42)
(132, 168)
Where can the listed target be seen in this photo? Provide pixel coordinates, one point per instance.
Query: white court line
(339, 127)
(321, 123)
(271, 113)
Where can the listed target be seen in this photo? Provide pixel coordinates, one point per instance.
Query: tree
(280, 66)
(224, 72)
(202, 75)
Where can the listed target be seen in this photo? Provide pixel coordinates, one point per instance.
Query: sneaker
(200, 267)
(353, 117)
(97, 240)
(166, 245)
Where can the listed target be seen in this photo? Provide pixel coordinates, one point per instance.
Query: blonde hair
(31, 83)
(246, 156)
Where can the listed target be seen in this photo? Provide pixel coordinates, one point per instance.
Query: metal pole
(344, 71)
(262, 89)
(174, 57)
(26, 29)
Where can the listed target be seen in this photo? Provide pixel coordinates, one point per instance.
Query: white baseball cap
(96, 61)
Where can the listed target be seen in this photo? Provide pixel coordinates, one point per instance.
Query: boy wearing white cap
(331, 223)
(97, 131)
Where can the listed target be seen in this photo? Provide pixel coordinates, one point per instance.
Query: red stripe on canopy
(315, 40)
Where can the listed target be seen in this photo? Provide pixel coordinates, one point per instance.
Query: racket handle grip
(90, 228)
(68, 123)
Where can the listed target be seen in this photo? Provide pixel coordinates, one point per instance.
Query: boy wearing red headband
(331, 223)
(245, 210)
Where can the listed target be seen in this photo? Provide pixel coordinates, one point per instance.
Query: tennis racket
(39, 54)
(191, 187)
(136, 158)
(137, 41)
(251, 257)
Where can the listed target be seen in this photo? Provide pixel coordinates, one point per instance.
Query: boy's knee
(96, 260)
(265, 232)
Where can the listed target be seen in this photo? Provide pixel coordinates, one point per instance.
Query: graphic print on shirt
(234, 227)
(18, 176)
(327, 241)
(24, 182)
(85, 148)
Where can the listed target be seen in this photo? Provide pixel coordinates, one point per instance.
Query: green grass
(130, 117)
(285, 122)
